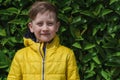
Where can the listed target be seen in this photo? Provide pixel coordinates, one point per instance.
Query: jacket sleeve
(15, 71)
(72, 69)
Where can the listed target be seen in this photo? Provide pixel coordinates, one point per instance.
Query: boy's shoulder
(22, 50)
(20, 53)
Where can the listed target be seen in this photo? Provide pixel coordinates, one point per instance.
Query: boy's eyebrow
(39, 22)
(47, 21)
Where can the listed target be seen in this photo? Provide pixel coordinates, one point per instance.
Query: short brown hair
(41, 7)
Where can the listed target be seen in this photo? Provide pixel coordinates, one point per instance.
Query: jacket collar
(34, 45)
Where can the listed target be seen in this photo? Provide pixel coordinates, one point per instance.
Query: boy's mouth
(45, 34)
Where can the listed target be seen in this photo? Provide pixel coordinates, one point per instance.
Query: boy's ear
(30, 27)
(58, 25)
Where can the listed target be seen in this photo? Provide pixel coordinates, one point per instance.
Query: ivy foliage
(90, 27)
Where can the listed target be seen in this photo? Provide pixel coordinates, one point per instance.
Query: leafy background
(90, 27)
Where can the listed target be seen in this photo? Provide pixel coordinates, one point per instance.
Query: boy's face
(44, 26)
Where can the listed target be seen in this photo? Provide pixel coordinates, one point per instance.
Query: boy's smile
(44, 26)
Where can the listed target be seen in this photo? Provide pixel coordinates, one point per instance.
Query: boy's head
(44, 23)
(42, 7)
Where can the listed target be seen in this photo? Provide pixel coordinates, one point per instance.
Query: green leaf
(4, 62)
(96, 59)
(3, 66)
(4, 12)
(113, 61)
(97, 10)
(78, 34)
(24, 12)
(105, 12)
(18, 21)
(108, 45)
(112, 1)
(4, 41)
(63, 18)
(12, 10)
(87, 13)
(88, 57)
(102, 27)
(84, 30)
(13, 39)
(66, 9)
(105, 75)
(62, 29)
(118, 12)
(75, 11)
(72, 31)
(90, 74)
(92, 66)
(0, 1)
(77, 45)
(116, 54)
(9, 11)
(89, 46)
(76, 20)
(95, 30)
(2, 32)
(5, 78)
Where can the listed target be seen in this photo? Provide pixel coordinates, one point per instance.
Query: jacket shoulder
(65, 49)
(21, 52)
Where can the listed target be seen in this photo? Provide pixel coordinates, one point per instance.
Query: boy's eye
(50, 24)
(40, 24)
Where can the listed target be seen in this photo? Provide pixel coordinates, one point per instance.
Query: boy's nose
(45, 27)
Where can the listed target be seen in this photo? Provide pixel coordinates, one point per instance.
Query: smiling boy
(43, 58)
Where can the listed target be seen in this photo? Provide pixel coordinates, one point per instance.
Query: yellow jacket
(30, 63)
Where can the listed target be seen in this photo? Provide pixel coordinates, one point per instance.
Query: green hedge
(90, 27)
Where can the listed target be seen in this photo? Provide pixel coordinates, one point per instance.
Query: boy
(43, 58)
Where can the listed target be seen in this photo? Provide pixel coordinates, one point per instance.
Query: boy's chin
(45, 40)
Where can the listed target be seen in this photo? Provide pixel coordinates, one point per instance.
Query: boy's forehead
(48, 14)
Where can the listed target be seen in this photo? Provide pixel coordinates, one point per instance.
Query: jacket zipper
(43, 62)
